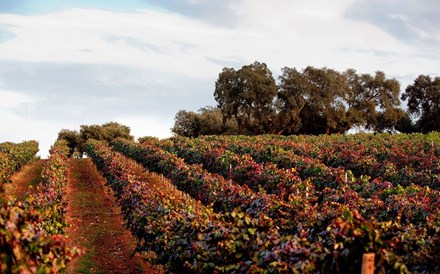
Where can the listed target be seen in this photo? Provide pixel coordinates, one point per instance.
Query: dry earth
(96, 223)
(29, 175)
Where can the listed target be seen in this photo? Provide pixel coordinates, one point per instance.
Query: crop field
(32, 230)
(256, 204)
(304, 204)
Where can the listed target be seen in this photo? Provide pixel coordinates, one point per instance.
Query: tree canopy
(105, 132)
(247, 95)
(424, 102)
(206, 121)
(311, 101)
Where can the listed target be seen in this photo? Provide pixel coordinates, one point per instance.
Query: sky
(138, 62)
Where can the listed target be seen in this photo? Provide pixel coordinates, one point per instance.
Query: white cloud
(414, 22)
(81, 36)
(11, 99)
(300, 33)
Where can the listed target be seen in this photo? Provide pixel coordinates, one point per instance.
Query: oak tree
(247, 95)
(424, 102)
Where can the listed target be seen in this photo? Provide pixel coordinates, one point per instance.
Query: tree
(424, 102)
(227, 92)
(211, 122)
(405, 124)
(292, 98)
(325, 101)
(207, 121)
(106, 132)
(373, 100)
(382, 97)
(359, 106)
(311, 102)
(186, 123)
(248, 96)
(72, 138)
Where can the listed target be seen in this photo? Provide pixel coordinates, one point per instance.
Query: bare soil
(26, 180)
(97, 225)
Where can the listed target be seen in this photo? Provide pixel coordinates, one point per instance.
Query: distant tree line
(312, 101)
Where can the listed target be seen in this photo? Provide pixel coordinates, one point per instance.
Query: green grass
(86, 264)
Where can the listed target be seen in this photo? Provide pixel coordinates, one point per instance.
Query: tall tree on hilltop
(291, 99)
(383, 94)
(373, 101)
(227, 92)
(248, 96)
(325, 101)
(355, 97)
(311, 102)
(424, 101)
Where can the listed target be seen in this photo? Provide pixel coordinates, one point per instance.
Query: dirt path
(29, 175)
(97, 225)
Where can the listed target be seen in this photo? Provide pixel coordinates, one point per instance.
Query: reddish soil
(96, 223)
(29, 175)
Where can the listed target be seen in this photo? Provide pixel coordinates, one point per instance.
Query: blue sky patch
(6, 36)
(31, 7)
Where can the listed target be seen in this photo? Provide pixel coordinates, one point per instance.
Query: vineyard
(32, 230)
(13, 157)
(247, 204)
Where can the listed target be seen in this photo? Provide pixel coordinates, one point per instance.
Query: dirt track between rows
(29, 175)
(96, 223)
